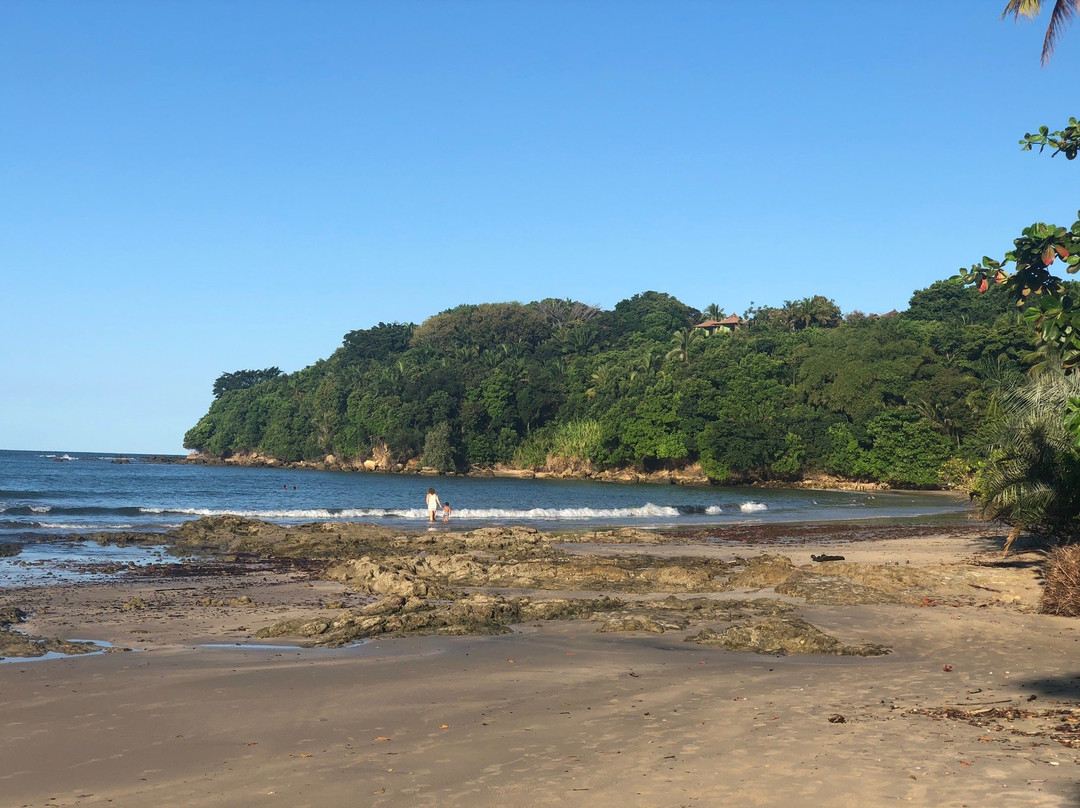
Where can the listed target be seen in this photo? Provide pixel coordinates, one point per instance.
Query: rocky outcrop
(622, 535)
(448, 583)
(475, 613)
(634, 622)
(782, 635)
(379, 579)
(690, 474)
(827, 482)
(230, 534)
(760, 571)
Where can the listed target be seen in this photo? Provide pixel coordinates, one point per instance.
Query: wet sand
(978, 703)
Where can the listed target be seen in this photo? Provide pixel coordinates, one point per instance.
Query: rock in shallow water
(17, 644)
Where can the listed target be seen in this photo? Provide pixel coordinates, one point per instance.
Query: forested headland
(905, 399)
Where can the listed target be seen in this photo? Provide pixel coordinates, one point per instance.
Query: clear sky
(189, 188)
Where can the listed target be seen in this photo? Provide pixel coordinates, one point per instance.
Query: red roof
(731, 320)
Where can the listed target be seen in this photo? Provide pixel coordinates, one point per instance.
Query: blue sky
(189, 188)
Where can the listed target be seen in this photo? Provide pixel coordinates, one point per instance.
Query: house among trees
(725, 326)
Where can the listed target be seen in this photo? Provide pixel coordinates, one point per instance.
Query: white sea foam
(78, 526)
(713, 510)
(751, 507)
(40, 508)
(648, 510)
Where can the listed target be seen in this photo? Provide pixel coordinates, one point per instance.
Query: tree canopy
(242, 379)
(795, 389)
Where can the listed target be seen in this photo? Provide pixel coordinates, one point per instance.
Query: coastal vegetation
(1032, 475)
(907, 398)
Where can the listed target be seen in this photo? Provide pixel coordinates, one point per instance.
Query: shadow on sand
(1026, 552)
(1064, 686)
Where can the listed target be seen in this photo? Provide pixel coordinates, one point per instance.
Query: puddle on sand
(102, 646)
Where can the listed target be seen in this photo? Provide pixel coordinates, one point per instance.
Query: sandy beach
(977, 701)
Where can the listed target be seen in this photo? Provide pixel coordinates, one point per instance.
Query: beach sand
(554, 714)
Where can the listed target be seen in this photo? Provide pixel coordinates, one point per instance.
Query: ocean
(47, 499)
(44, 494)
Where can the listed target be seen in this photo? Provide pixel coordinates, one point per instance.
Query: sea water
(68, 493)
(48, 499)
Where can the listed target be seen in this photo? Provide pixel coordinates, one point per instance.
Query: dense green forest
(905, 398)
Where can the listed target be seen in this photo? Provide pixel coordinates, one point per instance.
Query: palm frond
(1060, 16)
(1022, 8)
(1032, 478)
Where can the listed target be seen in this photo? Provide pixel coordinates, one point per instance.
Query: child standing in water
(446, 511)
(433, 504)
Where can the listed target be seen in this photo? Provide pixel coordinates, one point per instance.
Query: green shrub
(438, 448)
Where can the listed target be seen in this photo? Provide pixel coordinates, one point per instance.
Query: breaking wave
(646, 511)
(24, 510)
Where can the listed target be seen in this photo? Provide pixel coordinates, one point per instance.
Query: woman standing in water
(433, 504)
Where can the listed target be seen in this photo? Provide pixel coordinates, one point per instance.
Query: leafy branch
(1036, 255)
(1065, 140)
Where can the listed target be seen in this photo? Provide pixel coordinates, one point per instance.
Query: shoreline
(974, 702)
(690, 475)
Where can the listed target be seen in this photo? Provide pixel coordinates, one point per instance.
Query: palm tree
(941, 415)
(645, 368)
(1060, 15)
(650, 363)
(560, 313)
(1046, 358)
(391, 378)
(999, 376)
(558, 366)
(681, 341)
(1032, 480)
(495, 356)
(601, 378)
(576, 337)
(713, 312)
(811, 311)
(467, 353)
